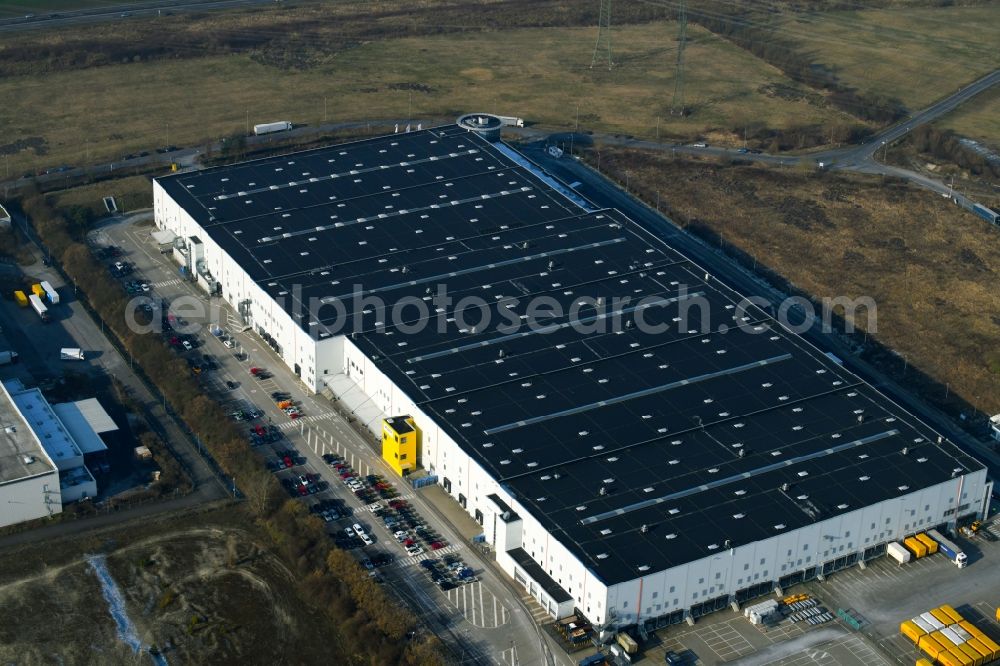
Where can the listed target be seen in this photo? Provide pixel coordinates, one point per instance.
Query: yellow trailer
(961, 657)
(38, 290)
(21, 298)
(945, 608)
(998, 615)
(923, 662)
(931, 646)
(948, 658)
(942, 617)
(983, 639)
(918, 549)
(973, 654)
(978, 646)
(932, 545)
(911, 631)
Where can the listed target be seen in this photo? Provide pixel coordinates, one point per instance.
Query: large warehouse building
(646, 450)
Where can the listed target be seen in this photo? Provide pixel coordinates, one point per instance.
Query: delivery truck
(50, 293)
(21, 298)
(39, 307)
(947, 547)
(8, 357)
(71, 354)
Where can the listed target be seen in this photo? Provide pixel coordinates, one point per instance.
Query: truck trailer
(39, 307)
(50, 293)
(8, 357)
(511, 121)
(71, 354)
(37, 290)
(947, 547)
(898, 552)
(270, 128)
(987, 214)
(21, 298)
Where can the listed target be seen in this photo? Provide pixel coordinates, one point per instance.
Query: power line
(603, 34)
(677, 105)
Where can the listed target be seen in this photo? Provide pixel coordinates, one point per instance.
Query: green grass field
(917, 55)
(542, 75)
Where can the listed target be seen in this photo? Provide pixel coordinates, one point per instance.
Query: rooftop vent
(28, 459)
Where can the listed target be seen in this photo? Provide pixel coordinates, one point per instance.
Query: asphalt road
(124, 11)
(860, 158)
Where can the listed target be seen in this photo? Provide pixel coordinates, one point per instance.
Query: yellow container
(930, 645)
(960, 656)
(21, 298)
(947, 658)
(978, 646)
(918, 549)
(923, 662)
(932, 545)
(37, 290)
(951, 612)
(998, 615)
(973, 654)
(942, 617)
(911, 631)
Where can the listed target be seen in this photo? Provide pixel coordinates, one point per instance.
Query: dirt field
(202, 594)
(541, 74)
(915, 54)
(931, 268)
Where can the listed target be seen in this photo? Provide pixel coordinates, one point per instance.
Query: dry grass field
(931, 268)
(915, 54)
(541, 74)
(979, 121)
(205, 594)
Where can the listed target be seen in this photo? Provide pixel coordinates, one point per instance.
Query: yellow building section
(399, 443)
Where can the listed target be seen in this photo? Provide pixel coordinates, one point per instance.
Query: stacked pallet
(949, 639)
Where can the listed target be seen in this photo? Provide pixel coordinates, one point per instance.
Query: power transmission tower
(677, 105)
(603, 34)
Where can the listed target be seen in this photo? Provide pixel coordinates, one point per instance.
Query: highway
(76, 17)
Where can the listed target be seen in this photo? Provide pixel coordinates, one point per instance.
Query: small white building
(56, 449)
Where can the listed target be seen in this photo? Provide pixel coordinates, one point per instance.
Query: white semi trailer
(271, 128)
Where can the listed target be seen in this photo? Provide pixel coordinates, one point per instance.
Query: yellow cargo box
(915, 547)
(951, 612)
(942, 617)
(923, 662)
(947, 658)
(961, 657)
(932, 545)
(21, 298)
(37, 290)
(978, 646)
(930, 645)
(971, 653)
(911, 631)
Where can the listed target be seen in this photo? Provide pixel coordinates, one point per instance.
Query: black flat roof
(638, 449)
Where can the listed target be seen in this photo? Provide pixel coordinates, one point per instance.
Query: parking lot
(471, 606)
